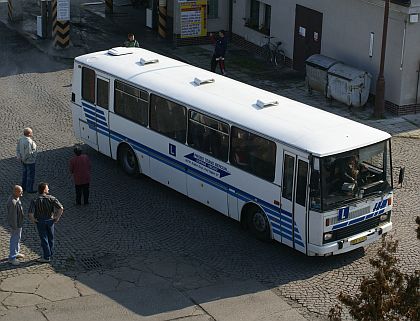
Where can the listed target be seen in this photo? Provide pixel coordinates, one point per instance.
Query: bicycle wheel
(280, 58)
(266, 53)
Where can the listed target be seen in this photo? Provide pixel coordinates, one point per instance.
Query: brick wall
(402, 110)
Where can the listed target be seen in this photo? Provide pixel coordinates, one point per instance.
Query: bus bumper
(351, 243)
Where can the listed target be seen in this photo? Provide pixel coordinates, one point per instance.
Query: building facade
(349, 31)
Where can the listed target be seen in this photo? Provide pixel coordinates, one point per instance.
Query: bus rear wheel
(128, 160)
(258, 224)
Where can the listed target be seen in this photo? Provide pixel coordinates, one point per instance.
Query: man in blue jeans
(15, 220)
(45, 211)
(26, 153)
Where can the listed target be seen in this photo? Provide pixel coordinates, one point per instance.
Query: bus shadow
(151, 250)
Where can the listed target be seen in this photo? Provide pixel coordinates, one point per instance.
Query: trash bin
(316, 72)
(349, 85)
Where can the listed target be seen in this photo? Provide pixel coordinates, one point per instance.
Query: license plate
(358, 240)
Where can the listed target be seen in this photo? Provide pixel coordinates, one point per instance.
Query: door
(293, 201)
(308, 32)
(102, 117)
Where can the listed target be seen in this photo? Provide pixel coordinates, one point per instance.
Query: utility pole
(380, 84)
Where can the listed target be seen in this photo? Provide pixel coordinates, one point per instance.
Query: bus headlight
(383, 217)
(328, 236)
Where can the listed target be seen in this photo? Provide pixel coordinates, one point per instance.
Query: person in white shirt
(26, 153)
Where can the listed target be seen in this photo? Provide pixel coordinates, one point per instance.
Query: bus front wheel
(128, 160)
(258, 224)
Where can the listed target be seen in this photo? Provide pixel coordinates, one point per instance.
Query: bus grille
(356, 229)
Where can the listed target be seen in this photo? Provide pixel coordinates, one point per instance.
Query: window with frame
(213, 9)
(102, 93)
(254, 14)
(168, 118)
(266, 23)
(301, 182)
(131, 102)
(288, 175)
(88, 84)
(208, 135)
(253, 153)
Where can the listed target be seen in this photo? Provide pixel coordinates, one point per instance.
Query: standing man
(131, 42)
(26, 153)
(80, 169)
(220, 45)
(15, 221)
(45, 211)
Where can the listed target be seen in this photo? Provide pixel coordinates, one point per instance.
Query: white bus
(317, 182)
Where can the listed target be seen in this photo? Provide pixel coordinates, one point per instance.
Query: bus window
(102, 94)
(288, 172)
(168, 118)
(208, 135)
(131, 103)
(88, 85)
(302, 176)
(253, 154)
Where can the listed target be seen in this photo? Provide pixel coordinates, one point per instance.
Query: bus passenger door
(293, 201)
(102, 117)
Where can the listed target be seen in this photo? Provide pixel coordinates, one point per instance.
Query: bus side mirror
(401, 176)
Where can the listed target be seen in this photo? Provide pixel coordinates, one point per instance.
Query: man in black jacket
(220, 45)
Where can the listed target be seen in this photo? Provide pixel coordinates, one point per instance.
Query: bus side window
(253, 153)
(168, 118)
(88, 84)
(208, 135)
(131, 103)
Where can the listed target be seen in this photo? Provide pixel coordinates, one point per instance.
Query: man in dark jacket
(220, 45)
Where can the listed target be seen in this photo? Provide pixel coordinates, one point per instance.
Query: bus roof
(302, 126)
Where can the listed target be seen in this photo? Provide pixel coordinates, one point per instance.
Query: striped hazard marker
(162, 19)
(60, 29)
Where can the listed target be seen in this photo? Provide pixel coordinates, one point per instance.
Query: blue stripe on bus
(93, 107)
(88, 116)
(299, 243)
(286, 219)
(286, 225)
(90, 112)
(269, 208)
(357, 220)
(286, 236)
(335, 227)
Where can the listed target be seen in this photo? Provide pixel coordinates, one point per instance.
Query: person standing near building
(45, 211)
(220, 45)
(26, 153)
(80, 169)
(15, 221)
(131, 42)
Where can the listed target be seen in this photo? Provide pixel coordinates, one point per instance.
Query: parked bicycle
(273, 53)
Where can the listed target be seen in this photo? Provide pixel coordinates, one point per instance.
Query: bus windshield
(353, 175)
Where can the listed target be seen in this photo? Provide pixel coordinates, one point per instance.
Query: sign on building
(193, 18)
(63, 10)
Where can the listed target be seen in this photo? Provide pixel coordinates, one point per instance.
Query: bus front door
(102, 117)
(293, 201)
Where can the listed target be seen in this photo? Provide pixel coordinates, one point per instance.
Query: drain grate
(90, 263)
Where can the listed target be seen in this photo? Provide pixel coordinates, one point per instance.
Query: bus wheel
(128, 160)
(258, 224)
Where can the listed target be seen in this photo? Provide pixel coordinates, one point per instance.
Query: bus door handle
(231, 191)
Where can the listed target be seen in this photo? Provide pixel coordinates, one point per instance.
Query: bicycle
(273, 53)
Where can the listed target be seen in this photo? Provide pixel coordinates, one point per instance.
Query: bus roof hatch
(263, 104)
(200, 82)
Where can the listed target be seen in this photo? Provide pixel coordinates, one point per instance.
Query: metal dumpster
(316, 72)
(348, 84)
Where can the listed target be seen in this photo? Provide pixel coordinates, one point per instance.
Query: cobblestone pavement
(131, 218)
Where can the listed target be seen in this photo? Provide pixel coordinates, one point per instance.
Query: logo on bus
(343, 213)
(206, 165)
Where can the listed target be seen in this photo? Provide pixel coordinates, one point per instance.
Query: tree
(387, 296)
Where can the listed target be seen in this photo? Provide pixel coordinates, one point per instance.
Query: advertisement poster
(193, 18)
